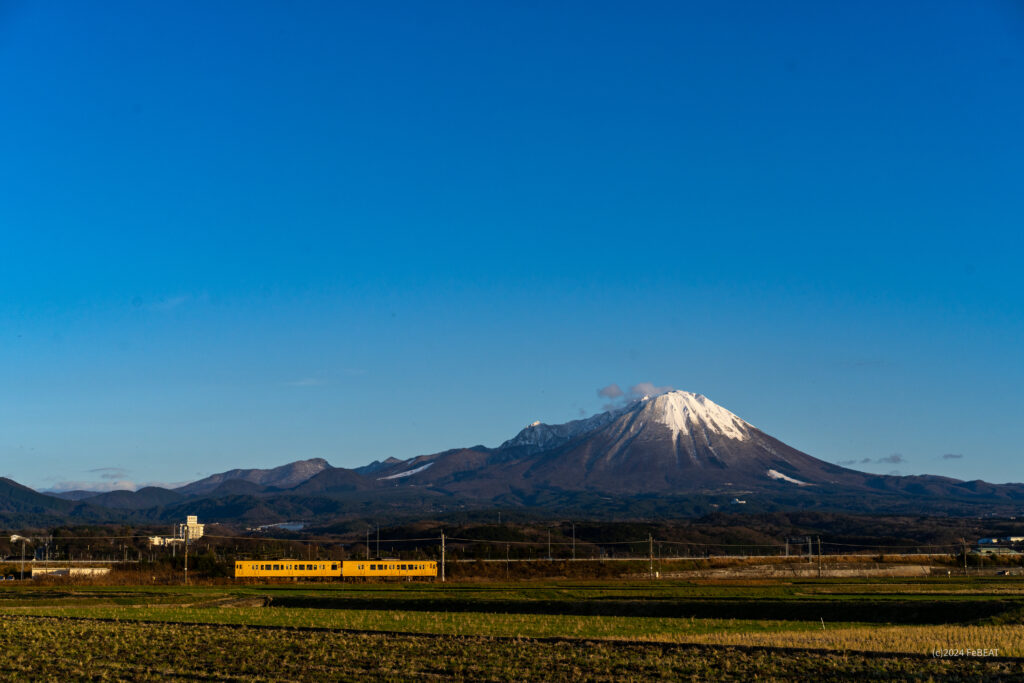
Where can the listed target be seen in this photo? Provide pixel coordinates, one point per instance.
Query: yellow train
(309, 569)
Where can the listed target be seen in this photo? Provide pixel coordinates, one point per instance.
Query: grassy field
(828, 629)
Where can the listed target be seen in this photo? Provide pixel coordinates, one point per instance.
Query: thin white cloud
(111, 473)
(307, 382)
(620, 398)
(106, 486)
(647, 389)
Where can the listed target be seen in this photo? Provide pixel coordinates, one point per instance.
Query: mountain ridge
(675, 451)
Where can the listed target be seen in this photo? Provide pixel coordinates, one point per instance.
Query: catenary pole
(186, 554)
(650, 552)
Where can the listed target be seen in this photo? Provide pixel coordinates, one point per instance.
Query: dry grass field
(821, 629)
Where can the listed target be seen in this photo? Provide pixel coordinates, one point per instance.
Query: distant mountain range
(673, 454)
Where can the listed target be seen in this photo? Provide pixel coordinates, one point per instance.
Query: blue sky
(243, 234)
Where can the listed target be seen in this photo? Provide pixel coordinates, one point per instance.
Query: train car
(388, 567)
(307, 569)
(287, 569)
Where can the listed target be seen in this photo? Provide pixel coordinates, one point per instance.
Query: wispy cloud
(893, 459)
(620, 398)
(307, 382)
(647, 389)
(952, 456)
(111, 485)
(99, 486)
(110, 473)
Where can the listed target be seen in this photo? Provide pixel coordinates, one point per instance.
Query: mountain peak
(285, 476)
(683, 412)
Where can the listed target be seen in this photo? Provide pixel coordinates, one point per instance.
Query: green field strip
(445, 623)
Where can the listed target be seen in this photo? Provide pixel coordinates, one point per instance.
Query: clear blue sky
(240, 234)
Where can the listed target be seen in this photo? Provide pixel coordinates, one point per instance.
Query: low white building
(190, 530)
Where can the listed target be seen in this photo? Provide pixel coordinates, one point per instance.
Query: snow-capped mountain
(661, 455)
(676, 442)
(673, 445)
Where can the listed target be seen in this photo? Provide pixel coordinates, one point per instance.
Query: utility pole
(442, 557)
(650, 552)
(573, 540)
(367, 542)
(819, 557)
(549, 544)
(378, 540)
(14, 539)
(186, 554)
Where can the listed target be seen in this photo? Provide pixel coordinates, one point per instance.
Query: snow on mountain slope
(407, 473)
(775, 474)
(684, 413)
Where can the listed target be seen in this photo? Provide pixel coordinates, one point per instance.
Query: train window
(334, 567)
